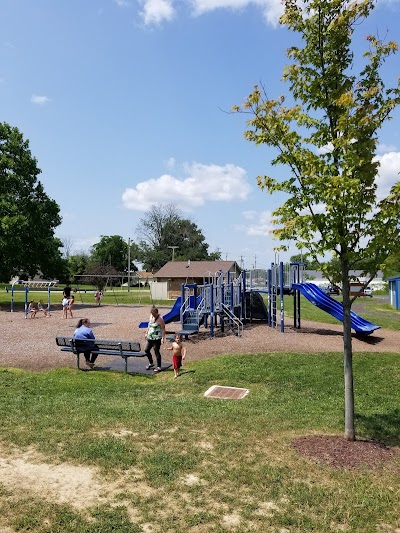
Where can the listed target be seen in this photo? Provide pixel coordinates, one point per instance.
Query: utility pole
(173, 251)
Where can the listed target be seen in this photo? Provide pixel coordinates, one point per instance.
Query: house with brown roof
(167, 282)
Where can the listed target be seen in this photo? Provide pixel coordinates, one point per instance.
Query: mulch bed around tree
(337, 452)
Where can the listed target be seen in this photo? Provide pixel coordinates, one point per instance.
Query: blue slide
(174, 315)
(318, 297)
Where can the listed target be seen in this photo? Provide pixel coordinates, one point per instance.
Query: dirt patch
(337, 452)
(27, 473)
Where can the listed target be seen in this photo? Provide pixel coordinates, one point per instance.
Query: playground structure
(226, 302)
(26, 285)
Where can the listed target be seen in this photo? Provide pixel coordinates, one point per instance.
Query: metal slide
(174, 315)
(318, 297)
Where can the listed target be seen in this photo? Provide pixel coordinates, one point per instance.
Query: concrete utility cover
(226, 393)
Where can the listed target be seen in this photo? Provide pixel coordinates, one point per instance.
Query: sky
(126, 104)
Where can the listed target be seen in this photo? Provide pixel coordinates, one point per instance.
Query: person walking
(84, 332)
(178, 354)
(155, 335)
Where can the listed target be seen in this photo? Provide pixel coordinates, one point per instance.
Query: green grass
(85, 295)
(187, 463)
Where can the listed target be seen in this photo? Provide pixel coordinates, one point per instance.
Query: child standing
(178, 354)
(65, 304)
(98, 297)
(71, 302)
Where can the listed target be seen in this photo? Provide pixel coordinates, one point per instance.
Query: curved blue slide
(174, 315)
(318, 297)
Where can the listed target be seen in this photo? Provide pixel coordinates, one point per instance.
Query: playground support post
(281, 284)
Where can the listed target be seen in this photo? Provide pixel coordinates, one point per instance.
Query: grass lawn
(170, 460)
(85, 295)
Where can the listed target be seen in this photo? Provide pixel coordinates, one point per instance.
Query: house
(394, 291)
(167, 282)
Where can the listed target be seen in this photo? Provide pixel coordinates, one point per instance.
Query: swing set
(26, 286)
(110, 286)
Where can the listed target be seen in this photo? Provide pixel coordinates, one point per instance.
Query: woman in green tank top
(155, 335)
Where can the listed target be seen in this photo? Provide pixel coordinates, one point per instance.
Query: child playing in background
(65, 304)
(42, 307)
(178, 354)
(71, 302)
(31, 311)
(98, 297)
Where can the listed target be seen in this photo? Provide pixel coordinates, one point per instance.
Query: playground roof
(195, 269)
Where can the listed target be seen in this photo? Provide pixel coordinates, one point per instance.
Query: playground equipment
(226, 302)
(26, 285)
(320, 299)
(172, 316)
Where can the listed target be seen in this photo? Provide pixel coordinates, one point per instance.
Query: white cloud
(156, 11)
(205, 183)
(384, 148)
(39, 100)
(249, 215)
(257, 225)
(170, 163)
(271, 9)
(389, 170)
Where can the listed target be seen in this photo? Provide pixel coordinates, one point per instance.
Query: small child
(42, 307)
(98, 297)
(31, 309)
(178, 354)
(65, 304)
(71, 302)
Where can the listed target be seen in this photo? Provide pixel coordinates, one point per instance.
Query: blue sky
(124, 104)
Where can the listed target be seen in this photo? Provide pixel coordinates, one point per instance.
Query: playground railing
(234, 321)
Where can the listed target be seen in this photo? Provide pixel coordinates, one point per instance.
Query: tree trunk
(349, 431)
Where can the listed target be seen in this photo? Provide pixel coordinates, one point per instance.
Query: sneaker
(149, 366)
(156, 370)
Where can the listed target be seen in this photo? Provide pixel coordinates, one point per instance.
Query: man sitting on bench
(83, 331)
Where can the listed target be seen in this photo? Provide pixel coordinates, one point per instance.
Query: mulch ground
(337, 452)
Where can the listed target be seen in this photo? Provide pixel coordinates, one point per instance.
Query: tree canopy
(28, 217)
(164, 235)
(113, 250)
(327, 138)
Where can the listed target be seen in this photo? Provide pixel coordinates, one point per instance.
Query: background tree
(77, 266)
(28, 217)
(97, 275)
(328, 140)
(311, 264)
(112, 251)
(162, 228)
(67, 244)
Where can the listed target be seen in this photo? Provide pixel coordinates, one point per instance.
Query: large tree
(111, 250)
(327, 138)
(164, 234)
(28, 217)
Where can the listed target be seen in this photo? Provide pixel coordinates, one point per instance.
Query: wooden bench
(124, 349)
